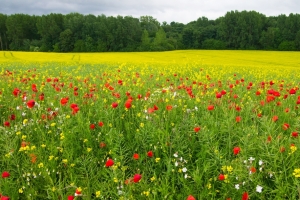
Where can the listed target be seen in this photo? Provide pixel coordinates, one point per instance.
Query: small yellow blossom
(157, 159)
(98, 194)
(43, 145)
(229, 169)
(51, 157)
(146, 193)
(152, 179)
(25, 121)
(208, 185)
(21, 190)
(296, 173)
(52, 124)
(40, 165)
(293, 149)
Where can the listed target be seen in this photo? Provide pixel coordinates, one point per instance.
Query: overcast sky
(163, 10)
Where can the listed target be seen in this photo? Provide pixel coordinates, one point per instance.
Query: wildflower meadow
(171, 125)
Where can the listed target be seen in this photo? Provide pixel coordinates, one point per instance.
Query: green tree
(287, 46)
(3, 30)
(160, 41)
(49, 28)
(150, 24)
(66, 41)
(145, 46)
(297, 41)
(19, 28)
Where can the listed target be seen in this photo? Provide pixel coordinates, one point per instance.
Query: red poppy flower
(275, 118)
(210, 107)
(16, 92)
(221, 177)
(218, 95)
(245, 196)
(282, 149)
(257, 93)
(128, 104)
(295, 134)
(5, 174)
(237, 108)
(71, 197)
(252, 169)
(169, 107)
(102, 145)
(30, 103)
(150, 110)
(42, 97)
(136, 156)
(73, 105)
(285, 126)
(238, 119)
(109, 163)
(6, 123)
(12, 117)
(292, 91)
(270, 98)
(100, 124)
(236, 150)
(4, 197)
(114, 105)
(33, 158)
(190, 197)
(33, 87)
(155, 107)
(150, 154)
(137, 178)
(75, 110)
(197, 129)
(64, 101)
(92, 126)
(223, 92)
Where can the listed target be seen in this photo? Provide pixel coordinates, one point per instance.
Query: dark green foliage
(287, 46)
(76, 32)
(213, 44)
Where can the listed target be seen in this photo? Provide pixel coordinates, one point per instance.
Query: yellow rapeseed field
(266, 59)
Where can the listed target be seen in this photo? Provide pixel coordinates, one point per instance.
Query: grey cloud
(164, 10)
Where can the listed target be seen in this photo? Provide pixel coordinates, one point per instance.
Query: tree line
(75, 32)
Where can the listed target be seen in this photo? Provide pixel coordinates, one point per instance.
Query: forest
(75, 32)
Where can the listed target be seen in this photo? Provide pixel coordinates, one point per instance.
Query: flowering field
(170, 125)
